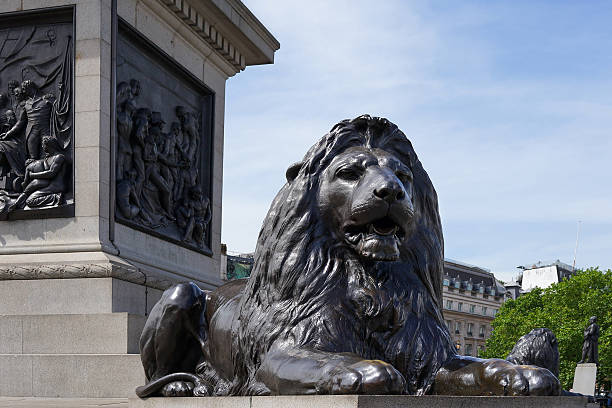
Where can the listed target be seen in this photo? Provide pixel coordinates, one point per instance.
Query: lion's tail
(154, 386)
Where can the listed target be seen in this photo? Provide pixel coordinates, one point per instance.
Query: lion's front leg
(473, 376)
(307, 371)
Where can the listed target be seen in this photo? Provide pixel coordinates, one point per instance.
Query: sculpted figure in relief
(35, 118)
(194, 215)
(125, 110)
(158, 184)
(45, 179)
(12, 153)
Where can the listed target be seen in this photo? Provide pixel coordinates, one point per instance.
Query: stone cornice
(251, 44)
(253, 23)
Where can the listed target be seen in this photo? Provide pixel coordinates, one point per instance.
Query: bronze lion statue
(345, 293)
(539, 347)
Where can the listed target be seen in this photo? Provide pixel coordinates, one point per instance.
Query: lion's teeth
(353, 238)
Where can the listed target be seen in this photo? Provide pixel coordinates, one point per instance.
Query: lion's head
(366, 199)
(539, 347)
(358, 210)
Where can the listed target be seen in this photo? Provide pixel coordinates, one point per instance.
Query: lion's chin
(378, 247)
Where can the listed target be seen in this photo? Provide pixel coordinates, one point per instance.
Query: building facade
(543, 275)
(539, 275)
(471, 298)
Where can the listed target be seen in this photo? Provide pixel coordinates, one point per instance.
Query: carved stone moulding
(87, 270)
(37, 114)
(163, 145)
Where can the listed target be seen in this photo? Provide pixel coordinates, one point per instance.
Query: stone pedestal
(584, 378)
(77, 279)
(29, 402)
(361, 401)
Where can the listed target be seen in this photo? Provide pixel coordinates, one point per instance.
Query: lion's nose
(390, 191)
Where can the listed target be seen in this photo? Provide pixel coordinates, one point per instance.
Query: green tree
(564, 308)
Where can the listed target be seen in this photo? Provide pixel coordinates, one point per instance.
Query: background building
(471, 296)
(539, 275)
(543, 275)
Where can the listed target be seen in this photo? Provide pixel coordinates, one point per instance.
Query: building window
(484, 310)
(449, 304)
(460, 306)
(481, 350)
(445, 282)
(448, 324)
(457, 327)
(494, 312)
(469, 329)
(468, 349)
(472, 308)
(481, 333)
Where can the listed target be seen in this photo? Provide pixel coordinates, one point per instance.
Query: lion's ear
(293, 171)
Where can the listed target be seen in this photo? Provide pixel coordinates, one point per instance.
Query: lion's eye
(349, 173)
(404, 176)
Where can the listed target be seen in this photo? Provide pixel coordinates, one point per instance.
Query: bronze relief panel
(36, 114)
(163, 161)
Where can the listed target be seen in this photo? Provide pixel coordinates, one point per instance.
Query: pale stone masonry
(361, 401)
(92, 237)
(74, 291)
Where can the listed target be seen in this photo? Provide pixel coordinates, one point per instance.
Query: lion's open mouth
(378, 240)
(383, 227)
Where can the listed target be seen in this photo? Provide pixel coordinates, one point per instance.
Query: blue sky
(508, 105)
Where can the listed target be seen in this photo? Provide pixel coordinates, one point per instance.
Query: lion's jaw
(378, 240)
(366, 195)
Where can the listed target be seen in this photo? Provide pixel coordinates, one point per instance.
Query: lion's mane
(298, 263)
(539, 347)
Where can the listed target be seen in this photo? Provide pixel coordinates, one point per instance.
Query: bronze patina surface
(36, 114)
(345, 293)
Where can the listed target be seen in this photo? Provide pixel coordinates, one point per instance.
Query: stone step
(75, 296)
(109, 333)
(361, 401)
(70, 375)
(23, 402)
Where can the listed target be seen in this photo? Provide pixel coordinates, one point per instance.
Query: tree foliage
(564, 308)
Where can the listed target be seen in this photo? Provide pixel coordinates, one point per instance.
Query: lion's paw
(178, 389)
(367, 377)
(541, 381)
(505, 378)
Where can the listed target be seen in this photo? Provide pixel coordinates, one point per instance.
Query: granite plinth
(584, 378)
(108, 333)
(23, 402)
(360, 401)
(75, 296)
(70, 375)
